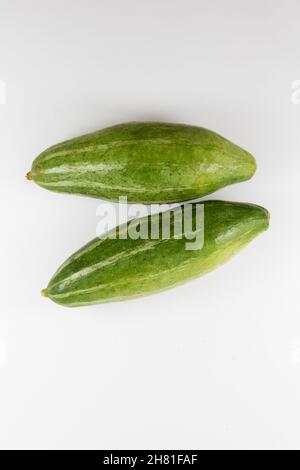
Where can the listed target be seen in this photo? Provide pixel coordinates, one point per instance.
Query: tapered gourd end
(29, 176)
(267, 216)
(44, 292)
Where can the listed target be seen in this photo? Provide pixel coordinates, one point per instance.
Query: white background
(212, 364)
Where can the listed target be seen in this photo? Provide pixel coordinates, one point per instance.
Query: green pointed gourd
(122, 268)
(146, 161)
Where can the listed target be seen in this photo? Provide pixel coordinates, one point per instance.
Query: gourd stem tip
(44, 292)
(29, 176)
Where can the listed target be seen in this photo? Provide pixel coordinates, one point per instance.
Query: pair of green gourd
(148, 162)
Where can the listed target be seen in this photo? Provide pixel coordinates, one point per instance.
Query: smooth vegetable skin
(145, 161)
(118, 269)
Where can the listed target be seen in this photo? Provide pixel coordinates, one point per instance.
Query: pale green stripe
(112, 260)
(83, 168)
(114, 284)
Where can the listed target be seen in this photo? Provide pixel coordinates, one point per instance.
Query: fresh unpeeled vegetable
(147, 162)
(122, 268)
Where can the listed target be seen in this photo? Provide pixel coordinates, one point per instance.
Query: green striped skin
(118, 269)
(146, 161)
